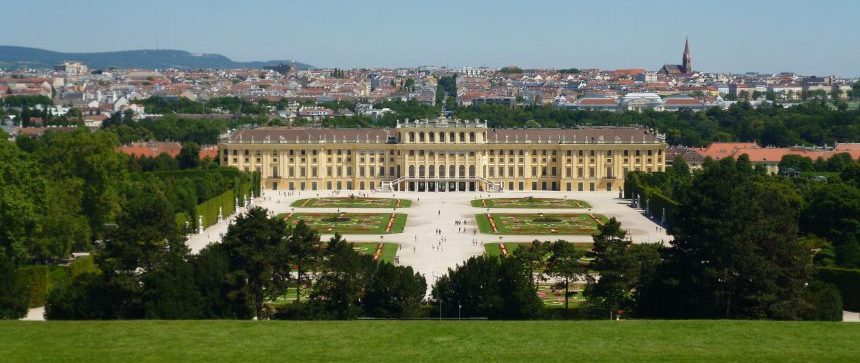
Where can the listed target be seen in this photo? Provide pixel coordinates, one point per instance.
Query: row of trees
(810, 123)
(65, 191)
(828, 212)
(737, 252)
(160, 105)
(146, 272)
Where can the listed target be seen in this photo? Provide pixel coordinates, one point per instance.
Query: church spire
(687, 61)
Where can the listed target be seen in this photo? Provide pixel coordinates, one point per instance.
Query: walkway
(432, 254)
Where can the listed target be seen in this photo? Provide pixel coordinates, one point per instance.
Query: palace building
(444, 154)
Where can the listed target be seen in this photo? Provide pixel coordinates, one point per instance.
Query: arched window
(420, 171)
(442, 169)
(432, 137)
(411, 171)
(452, 171)
(471, 137)
(462, 137)
(411, 137)
(441, 137)
(421, 136)
(451, 137)
(471, 171)
(431, 171)
(462, 171)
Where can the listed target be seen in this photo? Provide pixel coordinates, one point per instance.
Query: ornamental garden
(530, 202)
(540, 223)
(350, 223)
(352, 202)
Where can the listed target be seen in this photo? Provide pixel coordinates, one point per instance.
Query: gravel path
(432, 253)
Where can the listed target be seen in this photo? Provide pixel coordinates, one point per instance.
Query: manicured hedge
(848, 283)
(36, 278)
(209, 208)
(226, 201)
(238, 183)
(649, 196)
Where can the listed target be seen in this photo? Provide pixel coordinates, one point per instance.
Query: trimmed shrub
(825, 302)
(847, 281)
(13, 292)
(36, 279)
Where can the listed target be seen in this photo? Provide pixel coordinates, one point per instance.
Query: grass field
(352, 202)
(529, 202)
(349, 223)
(449, 341)
(543, 223)
(389, 250)
(492, 249)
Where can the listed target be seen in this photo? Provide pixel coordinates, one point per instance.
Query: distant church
(685, 68)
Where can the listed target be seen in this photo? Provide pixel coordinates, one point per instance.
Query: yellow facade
(444, 155)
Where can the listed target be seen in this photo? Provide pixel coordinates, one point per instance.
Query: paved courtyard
(431, 253)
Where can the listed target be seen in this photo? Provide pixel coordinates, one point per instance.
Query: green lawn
(492, 249)
(352, 202)
(529, 202)
(448, 341)
(389, 250)
(349, 223)
(539, 223)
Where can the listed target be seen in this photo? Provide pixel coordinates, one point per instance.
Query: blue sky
(810, 37)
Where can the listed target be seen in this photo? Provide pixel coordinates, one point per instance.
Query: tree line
(739, 251)
(260, 263)
(811, 123)
(65, 191)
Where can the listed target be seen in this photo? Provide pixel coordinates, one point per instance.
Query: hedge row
(225, 202)
(36, 279)
(650, 197)
(848, 283)
(244, 185)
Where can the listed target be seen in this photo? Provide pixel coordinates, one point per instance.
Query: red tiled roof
(595, 101)
(671, 101)
(154, 148)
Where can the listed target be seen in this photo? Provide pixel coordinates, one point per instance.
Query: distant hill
(23, 57)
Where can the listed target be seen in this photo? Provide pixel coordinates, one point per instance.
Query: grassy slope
(628, 341)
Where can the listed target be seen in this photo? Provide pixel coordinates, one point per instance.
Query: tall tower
(687, 61)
